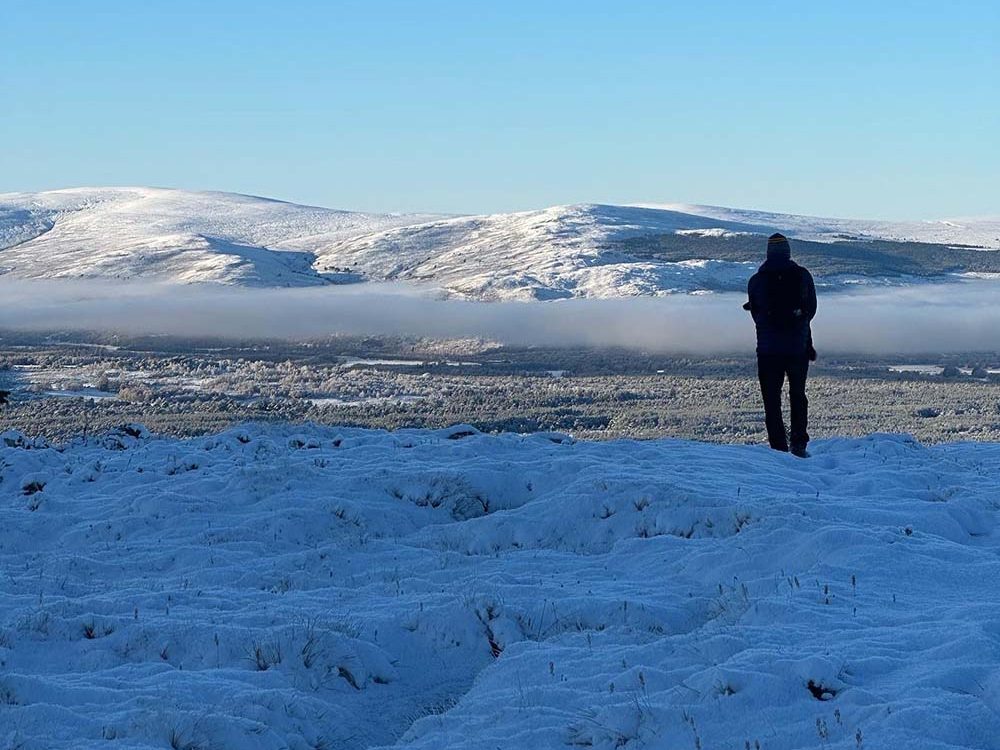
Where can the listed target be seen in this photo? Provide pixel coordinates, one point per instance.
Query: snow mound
(303, 587)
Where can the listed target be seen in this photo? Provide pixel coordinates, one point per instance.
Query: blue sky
(882, 110)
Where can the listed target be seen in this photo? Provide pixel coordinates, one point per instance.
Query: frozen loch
(298, 587)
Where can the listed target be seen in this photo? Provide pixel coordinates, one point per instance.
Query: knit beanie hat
(777, 246)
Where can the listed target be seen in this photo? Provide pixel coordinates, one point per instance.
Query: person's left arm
(750, 305)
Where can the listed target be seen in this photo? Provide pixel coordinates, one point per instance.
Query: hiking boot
(800, 451)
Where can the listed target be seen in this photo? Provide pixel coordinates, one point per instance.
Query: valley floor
(63, 388)
(300, 587)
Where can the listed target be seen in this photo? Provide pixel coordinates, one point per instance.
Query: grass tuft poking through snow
(303, 587)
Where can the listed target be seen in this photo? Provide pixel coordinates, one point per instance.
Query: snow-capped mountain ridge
(171, 235)
(582, 250)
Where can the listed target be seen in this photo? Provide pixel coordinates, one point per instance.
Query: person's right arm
(809, 303)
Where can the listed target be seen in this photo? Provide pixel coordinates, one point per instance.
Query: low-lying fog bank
(951, 317)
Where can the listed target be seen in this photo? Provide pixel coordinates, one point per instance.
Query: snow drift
(297, 587)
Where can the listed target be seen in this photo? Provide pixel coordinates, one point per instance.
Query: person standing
(782, 302)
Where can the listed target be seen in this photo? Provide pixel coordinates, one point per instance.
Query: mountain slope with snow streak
(302, 587)
(980, 232)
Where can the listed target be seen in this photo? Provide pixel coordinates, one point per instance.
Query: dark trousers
(772, 370)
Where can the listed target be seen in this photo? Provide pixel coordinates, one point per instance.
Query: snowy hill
(612, 251)
(298, 587)
(564, 251)
(171, 235)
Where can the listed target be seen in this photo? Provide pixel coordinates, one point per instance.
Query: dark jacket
(772, 339)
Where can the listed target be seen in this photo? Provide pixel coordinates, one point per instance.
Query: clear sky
(884, 109)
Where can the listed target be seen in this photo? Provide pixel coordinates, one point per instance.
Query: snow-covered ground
(298, 587)
(552, 253)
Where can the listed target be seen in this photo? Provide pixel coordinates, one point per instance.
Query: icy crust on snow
(302, 587)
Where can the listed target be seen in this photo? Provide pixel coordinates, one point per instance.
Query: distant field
(64, 388)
